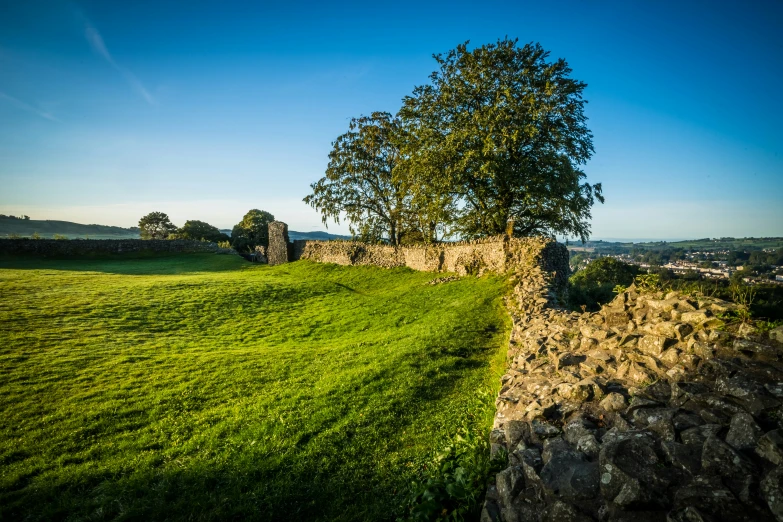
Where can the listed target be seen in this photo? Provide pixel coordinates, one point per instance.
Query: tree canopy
(252, 230)
(199, 230)
(503, 129)
(498, 135)
(156, 225)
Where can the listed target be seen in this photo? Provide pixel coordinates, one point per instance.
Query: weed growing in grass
(452, 486)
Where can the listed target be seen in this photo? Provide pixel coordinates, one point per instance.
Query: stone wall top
(96, 247)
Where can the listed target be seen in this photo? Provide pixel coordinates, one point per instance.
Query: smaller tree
(252, 230)
(592, 286)
(199, 230)
(363, 183)
(156, 225)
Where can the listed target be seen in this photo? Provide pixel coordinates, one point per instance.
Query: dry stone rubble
(646, 410)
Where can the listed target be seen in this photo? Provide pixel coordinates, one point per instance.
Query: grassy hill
(202, 387)
(10, 226)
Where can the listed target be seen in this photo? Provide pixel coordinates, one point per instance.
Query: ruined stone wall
(96, 247)
(497, 254)
(653, 409)
(278, 250)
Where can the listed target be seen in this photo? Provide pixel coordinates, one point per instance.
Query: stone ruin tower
(277, 253)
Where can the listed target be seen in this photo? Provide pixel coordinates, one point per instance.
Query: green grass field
(201, 387)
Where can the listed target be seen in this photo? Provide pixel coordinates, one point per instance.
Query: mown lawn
(201, 387)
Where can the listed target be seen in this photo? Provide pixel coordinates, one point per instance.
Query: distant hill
(293, 235)
(319, 236)
(705, 244)
(10, 226)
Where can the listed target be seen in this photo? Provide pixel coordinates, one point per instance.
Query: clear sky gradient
(203, 110)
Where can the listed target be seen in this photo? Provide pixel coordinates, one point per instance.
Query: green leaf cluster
(201, 231)
(156, 225)
(252, 231)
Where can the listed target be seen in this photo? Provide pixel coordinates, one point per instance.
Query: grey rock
(516, 432)
(600, 355)
(684, 391)
(657, 420)
(743, 433)
(490, 512)
(659, 391)
(737, 471)
(570, 476)
(613, 402)
(576, 427)
(630, 472)
(670, 357)
(653, 344)
(718, 336)
(497, 436)
(683, 456)
(532, 458)
(588, 445)
(673, 330)
(694, 317)
(708, 495)
(776, 389)
(772, 492)
(581, 391)
(616, 317)
(541, 430)
(777, 334)
(628, 340)
(750, 347)
(510, 482)
(683, 421)
(770, 447)
(688, 514)
(699, 434)
(641, 402)
(750, 393)
(553, 446)
(562, 512)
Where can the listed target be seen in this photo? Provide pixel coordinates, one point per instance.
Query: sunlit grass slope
(201, 387)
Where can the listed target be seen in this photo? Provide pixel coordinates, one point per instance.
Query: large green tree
(363, 183)
(199, 230)
(156, 225)
(501, 131)
(252, 231)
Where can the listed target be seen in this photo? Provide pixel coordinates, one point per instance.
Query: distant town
(752, 260)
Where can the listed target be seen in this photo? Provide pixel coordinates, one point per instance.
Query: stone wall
(278, 251)
(98, 247)
(652, 409)
(497, 254)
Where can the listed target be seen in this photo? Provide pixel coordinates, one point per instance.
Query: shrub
(595, 285)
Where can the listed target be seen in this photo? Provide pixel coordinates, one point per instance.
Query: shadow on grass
(321, 475)
(138, 265)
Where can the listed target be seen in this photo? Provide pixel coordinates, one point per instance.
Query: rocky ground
(652, 409)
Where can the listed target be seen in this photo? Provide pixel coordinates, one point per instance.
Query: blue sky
(203, 110)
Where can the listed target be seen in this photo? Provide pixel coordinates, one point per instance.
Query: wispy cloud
(95, 40)
(19, 104)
